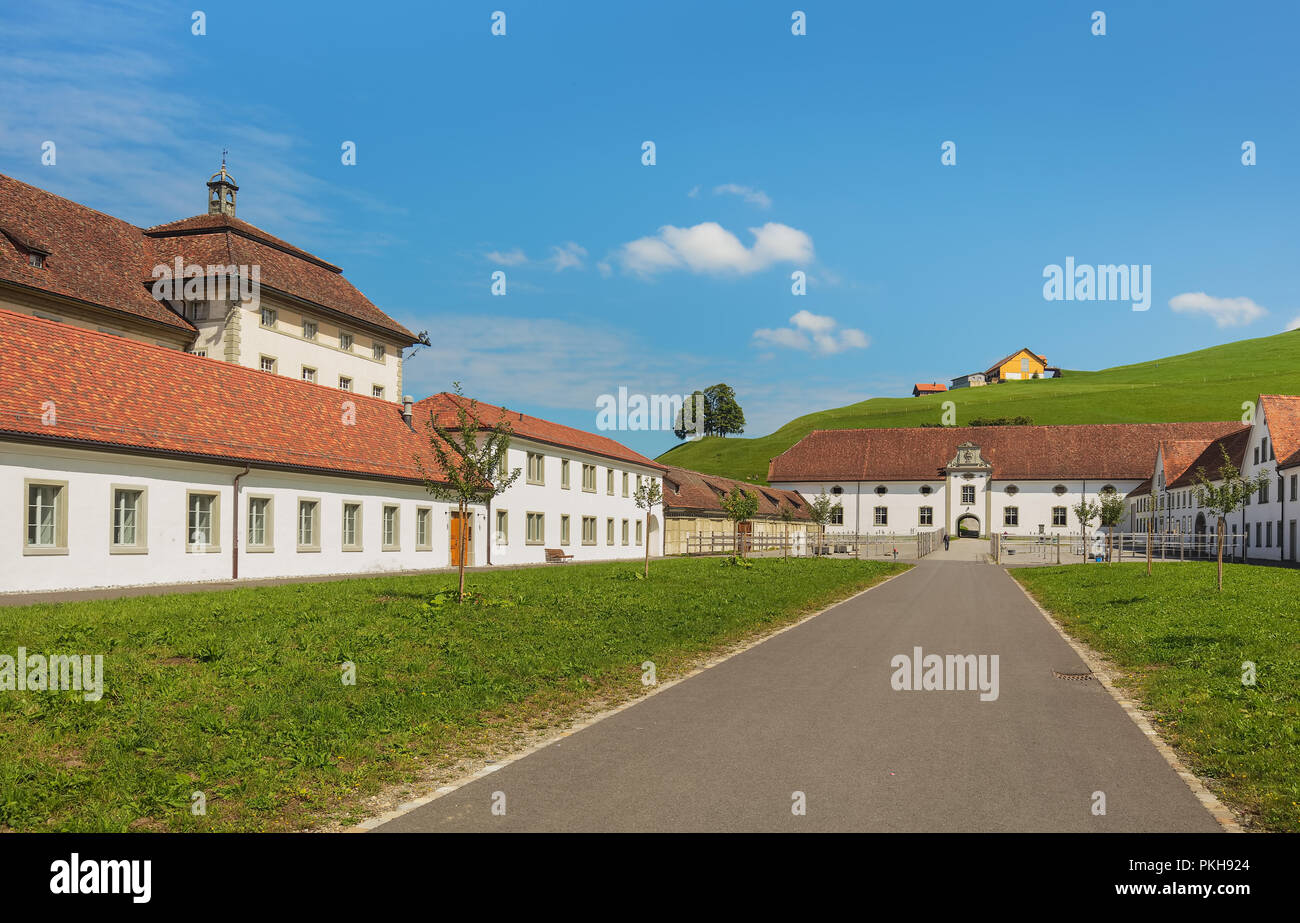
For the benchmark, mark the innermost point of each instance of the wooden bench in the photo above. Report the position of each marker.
(556, 556)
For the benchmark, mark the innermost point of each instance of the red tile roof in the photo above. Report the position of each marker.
(110, 392)
(225, 240)
(929, 388)
(688, 491)
(1282, 414)
(1177, 456)
(103, 260)
(1141, 490)
(93, 257)
(1109, 450)
(1210, 458)
(444, 408)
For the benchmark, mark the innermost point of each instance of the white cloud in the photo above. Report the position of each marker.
(515, 257)
(1295, 323)
(813, 333)
(694, 193)
(545, 362)
(748, 193)
(567, 256)
(570, 256)
(708, 247)
(126, 141)
(1226, 312)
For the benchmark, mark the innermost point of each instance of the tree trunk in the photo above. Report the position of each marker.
(1222, 523)
(462, 551)
(1110, 546)
(787, 539)
(647, 543)
(1149, 549)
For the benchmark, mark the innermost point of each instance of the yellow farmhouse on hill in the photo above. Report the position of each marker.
(1019, 365)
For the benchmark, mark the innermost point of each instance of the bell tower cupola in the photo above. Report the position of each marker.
(222, 191)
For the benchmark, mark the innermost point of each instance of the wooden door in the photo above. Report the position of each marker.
(455, 540)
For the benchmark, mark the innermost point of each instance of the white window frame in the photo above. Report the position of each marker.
(396, 543)
(424, 519)
(214, 523)
(537, 460)
(59, 502)
(141, 543)
(268, 525)
(358, 534)
(313, 540)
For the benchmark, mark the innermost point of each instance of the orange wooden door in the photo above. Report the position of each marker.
(455, 540)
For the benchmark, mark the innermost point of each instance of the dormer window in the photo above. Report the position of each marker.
(36, 260)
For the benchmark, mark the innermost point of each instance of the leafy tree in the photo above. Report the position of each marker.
(1086, 511)
(722, 414)
(1111, 512)
(1225, 499)
(740, 506)
(648, 496)
(472, 460)
(820, 510)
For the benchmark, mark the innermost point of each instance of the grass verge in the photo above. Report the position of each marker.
(238, 694)
(1182, 649)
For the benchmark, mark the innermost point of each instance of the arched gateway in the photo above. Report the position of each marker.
(968, 526)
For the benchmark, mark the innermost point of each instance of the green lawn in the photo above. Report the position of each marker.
(1181, 646)
(238, 693)
(1209, 384)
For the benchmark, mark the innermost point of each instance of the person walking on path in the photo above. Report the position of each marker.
(945, 539)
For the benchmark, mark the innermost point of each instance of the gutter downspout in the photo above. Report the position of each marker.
(234, 520)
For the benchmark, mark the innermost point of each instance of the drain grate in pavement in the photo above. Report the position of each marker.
(1075, 676)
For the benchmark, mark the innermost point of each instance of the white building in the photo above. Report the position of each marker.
(262, 433)
(1265, 528)
(124, 463)
(1019, 480)
(253, 299)
(575, 491)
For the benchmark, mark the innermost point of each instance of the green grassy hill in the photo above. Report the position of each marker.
(1210, 384)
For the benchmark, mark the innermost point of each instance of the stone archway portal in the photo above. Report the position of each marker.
(968, 526)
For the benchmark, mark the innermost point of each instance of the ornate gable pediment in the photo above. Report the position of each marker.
(968, 456)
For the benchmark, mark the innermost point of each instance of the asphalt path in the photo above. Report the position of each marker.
(813, 711)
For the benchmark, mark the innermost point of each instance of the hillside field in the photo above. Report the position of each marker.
(1210, 384)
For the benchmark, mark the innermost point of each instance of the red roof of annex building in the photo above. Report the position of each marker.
(686, 490)
(932, 388)
(104, 391)
(1100, 450)
(1282, 413)
(1210, 459)
(444, 405)
(98, 259)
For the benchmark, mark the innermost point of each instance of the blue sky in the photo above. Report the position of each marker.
(774, 153)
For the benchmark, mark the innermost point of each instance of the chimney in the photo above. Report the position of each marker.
(408, 409)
